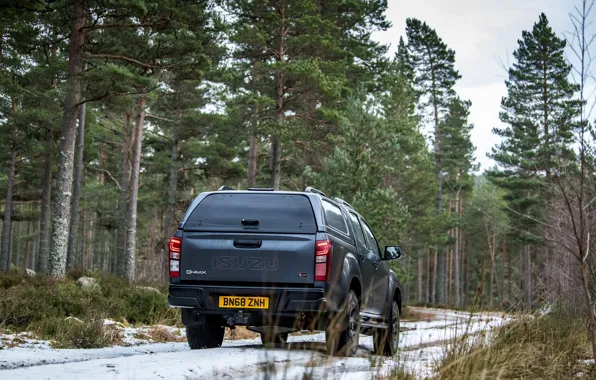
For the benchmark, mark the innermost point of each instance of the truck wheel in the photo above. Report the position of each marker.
(207, 335)
(386, 340)
(345, 342)
(273, 339)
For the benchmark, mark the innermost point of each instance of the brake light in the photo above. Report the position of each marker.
(323, 252)
(175, 249)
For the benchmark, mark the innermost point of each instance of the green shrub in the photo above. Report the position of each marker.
(30, 300)
(75, 333)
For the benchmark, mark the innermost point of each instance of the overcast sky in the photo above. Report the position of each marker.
(480, 32)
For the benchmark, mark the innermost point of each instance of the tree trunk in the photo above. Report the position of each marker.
(91, 245)
(35, 249)
(490, 285)
(154, 264)
(7, 224)
(46, 199)
(585, 276)
(252, 159)
(441, 278)
(17, 240)
(76, 193)
(276, 158)
(254, 147)
(80, 258)
(435, 277)
(106, 254)
(60, 223)
(528, 277)
(134, 190)
(172, 188)
(501, 283)
(172, 194)
(419, 276)
(429, 271)
(119, 252)
(279, 103)
(456, 253)
(115, 251)
(509, 278)
(466, 282)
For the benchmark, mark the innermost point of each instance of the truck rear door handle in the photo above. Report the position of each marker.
(376, 265)
(247, 243)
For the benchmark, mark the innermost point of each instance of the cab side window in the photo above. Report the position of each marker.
(334, 217)
(372, 242)
(361, 241)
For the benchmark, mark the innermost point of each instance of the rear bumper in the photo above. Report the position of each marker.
(281, 300)
(287, 304)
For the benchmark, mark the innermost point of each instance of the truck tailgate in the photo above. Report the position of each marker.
(250, 258)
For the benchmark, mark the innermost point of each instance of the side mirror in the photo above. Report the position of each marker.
(392, 252)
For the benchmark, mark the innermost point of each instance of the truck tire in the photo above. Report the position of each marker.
(345, 342)
(386, 341)
(207, 335)
(273, 339)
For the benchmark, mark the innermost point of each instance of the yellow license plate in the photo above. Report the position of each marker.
(235, 302)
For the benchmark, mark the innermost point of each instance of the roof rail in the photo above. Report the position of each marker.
(224, 188)
(311, 189)
(344, 202)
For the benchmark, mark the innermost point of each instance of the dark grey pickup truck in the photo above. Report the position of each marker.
(279, 261)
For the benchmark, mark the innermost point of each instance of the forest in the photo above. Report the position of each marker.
(115, 114)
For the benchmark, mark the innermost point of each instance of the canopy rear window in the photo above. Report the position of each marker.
(242, 212)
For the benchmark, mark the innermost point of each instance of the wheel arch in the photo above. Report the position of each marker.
(394, 292)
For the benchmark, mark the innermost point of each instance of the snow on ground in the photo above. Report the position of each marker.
(422, 344)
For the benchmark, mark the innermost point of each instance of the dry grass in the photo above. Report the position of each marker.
(7, 342)
(304, 332)
(240, 332)
(412, 315)
(141, 335)
(164, 334)
(114, 335)
(550, 347)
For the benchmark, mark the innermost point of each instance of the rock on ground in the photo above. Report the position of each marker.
(87, 282)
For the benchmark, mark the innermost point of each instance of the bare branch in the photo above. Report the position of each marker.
(105, 172)
(123, 58)
(162, 119)
(161, 22)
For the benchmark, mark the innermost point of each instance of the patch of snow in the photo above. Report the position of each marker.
(546, 309)
(422, 345)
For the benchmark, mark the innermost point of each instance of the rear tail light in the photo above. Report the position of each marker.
(323, 252)
(175, 249)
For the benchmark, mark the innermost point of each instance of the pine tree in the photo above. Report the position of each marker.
(416, 183)
(29, 103)
(456, 156)
(538, 111)
(61, 218)
(297, 57)
(435, 77)
(364, 169)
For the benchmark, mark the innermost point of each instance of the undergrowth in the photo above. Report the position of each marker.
(72, 315)
(548, 347)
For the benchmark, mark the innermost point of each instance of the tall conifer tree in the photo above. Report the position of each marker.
(538, 112)
(436, 75)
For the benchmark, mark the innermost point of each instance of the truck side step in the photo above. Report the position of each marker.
(373, 324)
